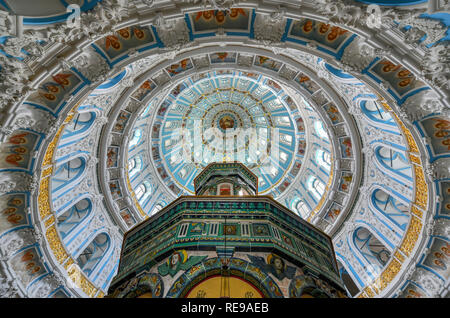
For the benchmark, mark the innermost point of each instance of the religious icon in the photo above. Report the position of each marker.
(178, 261)
(274, 265)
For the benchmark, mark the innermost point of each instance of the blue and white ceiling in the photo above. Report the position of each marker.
(363, 154)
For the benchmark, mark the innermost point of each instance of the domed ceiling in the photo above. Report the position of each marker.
(340, 108)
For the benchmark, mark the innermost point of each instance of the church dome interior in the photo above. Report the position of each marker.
(110, 110)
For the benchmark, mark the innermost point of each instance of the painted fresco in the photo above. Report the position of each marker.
(162, 172)
(114, 187)
(438, 129)
(296, 168)
(125, 39)
(211, 20)
(179, 67)
(250, 75)
(174, 188)
(176, 91)
(300, 124)
(346, 147)
(223, 57)
(17, 151)
(290, 102)
(274, 85)
(301, 147)
(54, 90)
(127, 217)
(179, 260)
(445, 205)
(309, 286)
(413, 291)
(401, 80)
(438, 259)
(273, 264)
(332, 37)
(333, 113)
(307, 83)
(146, 285)
(13, 215)
(224, 72)
(155, 130)
(345, 181)
(284, 185)
(333, 212)
(121, 121)
(267, 62)
(144, 90)
(112, 157)
(28, 264)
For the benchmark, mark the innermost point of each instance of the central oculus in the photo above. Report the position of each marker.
(225, 116)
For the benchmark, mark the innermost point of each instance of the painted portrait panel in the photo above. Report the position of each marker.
(438, 259)
(438, 129)
(28, 264)
(125, 39)
(413, 291)
(211, 20)
(112, 157)
(290, 102)
(17, 152)
(127, 217)
(54, 90)
(333, 113)
(250, 75)
(400, 79)
(223, 57)
(346, 147)
(121, 121)
(307, 83)
(12, 213)
(179, 67)
(144, 90)
(445, 205)
(267, 62)
(296, 168)
(302, 147)
(333, 212)
(331, 37)
(345, 181)
(114, 187)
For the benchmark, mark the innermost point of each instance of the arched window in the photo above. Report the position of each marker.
(376, 113)
(375, 253)
(301, 208)
(140, 191)
(137, 135)
(394, 161)
(320, 130)
(134, 166)
(147, 191)
(66, 174)
(395, 210)
(92, 255)
(157, 208)
(323, 159)
(68, 220)
(316, 186)
(80, 125)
